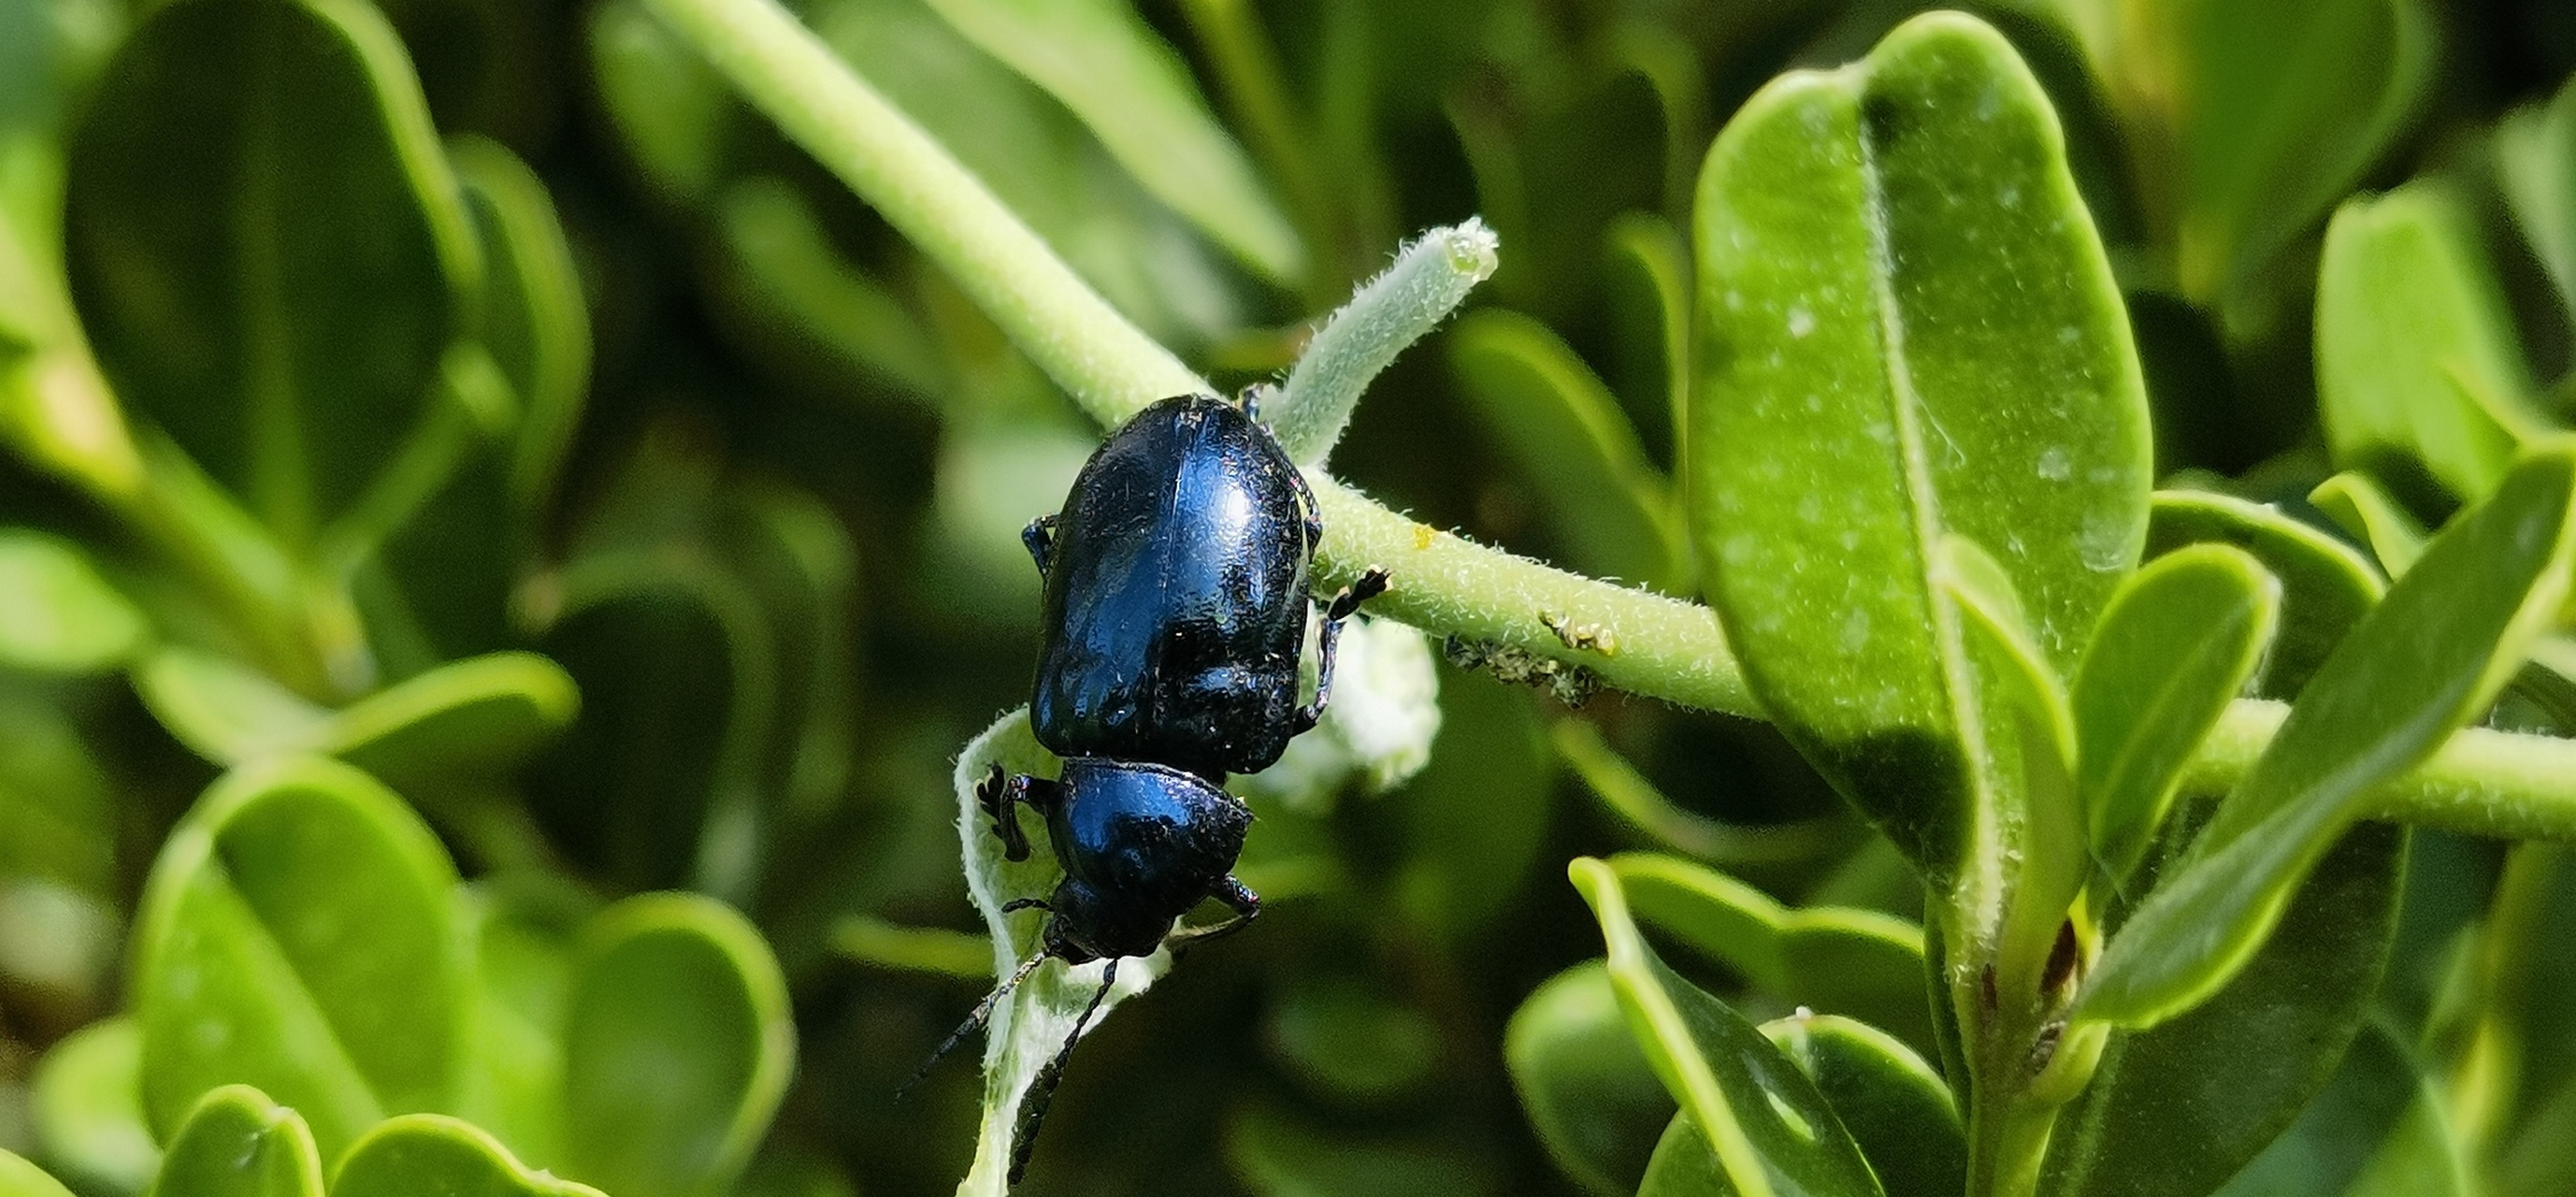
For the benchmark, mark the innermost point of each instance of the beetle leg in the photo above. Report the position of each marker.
(1249, 400)
(974, 1022)
(1328, 642)
(999, 791)
(1040, 537)
(1019, 904)
(1033, 1107)
(1246, 904)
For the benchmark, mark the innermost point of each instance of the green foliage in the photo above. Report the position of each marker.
(470, 469)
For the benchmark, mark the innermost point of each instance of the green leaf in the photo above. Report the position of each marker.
(677, 1047)
(533, 320)
(55, 409)
(2367, 1110)
(1348, 1039)
(1907, 329)
(1895, 1106)
(476, 718)
(1102, 61)
(788, 275)
(1768, 1129)
(1564, 431)
(57, 615)
(524, 927)
(1035, 1020)
(2373, 516)
(2173, 1111)
(1833, 959)
(2325, 586)
(1475, 822)
(934, 950)
(2181, 638)
(1587, 1087)
(431, 1155)
(295, 935)
(2418, 367)
(268, 248)
(238, 1143)
(793, 552)
(2535, 158)
(1684, 1165)
(57, 805)
(1651, 271)
(673, 112)
(1276, 1154)
(18, 1178)
(2278, 110)
(1634, 797)
(2426, 660)
(87, 1102)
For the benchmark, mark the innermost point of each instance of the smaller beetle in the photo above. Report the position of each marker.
(1175, 616)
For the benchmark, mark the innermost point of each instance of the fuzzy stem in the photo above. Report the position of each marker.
(1430, 278)
(2482, 782)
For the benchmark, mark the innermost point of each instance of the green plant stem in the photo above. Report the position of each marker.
(2482, 782)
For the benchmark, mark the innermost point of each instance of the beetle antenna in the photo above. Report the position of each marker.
(974, 1022)
(1033, 1108)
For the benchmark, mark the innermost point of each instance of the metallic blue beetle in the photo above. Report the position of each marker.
(1176, 610)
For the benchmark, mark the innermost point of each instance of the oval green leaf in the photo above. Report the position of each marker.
(18, 1178)
(2535, 155)
(1588, 1089)
(1834, 959)
(238, 1143)
(2326, 587)
(2357, 505)
(1907, 327)
(533, 320)
(1634, 797)
(295, 935)
(57, 615)
(267, 246)
(1895, 1106)
(2429, 658)
(2419, 370)
(677, 1047)
(432, 1155)
(1767, 1128)
(2180, 640)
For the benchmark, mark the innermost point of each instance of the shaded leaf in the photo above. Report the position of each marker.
(1895, 1106)
(1833, 959)
(1767, 1128)
(2426, 660)
(2326, 587)
(87, 1103)
(2172, 1111)
(2372, 1098)
(1634, 798)
(267, 246)
(2535, 159)
(1586, 1086)
(533, 320)
(479, 717)
(787, 273)
(677, 1047)
(1565, 432)
(2372, 516)
(674, 112)
(1278, 1155)
(57, 615)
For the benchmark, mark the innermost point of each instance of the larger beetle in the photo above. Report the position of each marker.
(1175, 617)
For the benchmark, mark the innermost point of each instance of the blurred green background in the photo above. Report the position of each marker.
(561, 348)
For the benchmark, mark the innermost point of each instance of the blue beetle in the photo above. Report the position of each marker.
(1174, 622)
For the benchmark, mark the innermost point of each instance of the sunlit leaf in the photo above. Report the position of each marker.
(2326, 587)
(238, 1143)
(430, 1155)
(57, 615)
(1895, 1106)
(1588, 1090)
(87, 1104)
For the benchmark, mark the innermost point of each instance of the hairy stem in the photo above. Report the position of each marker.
(2481, 782)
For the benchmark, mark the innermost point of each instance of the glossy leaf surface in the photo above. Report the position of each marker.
(1586, 1086)
(1767, 1128)
(295, 935)
(2418, 368)
(238, 1143)
(2178, 642)
(2427, 659)
(677, 1047)
(1907, 328)
(1896, 1107)
(430, 1155)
